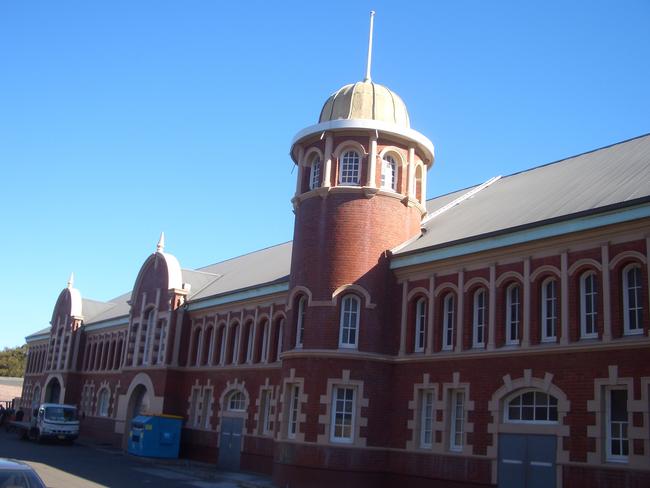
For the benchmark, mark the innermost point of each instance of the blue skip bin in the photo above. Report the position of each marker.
(155, 436)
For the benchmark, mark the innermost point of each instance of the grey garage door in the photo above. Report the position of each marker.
(230, 443)
(526, 461)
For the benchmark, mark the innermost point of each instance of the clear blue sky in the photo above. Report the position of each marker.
(119, 119)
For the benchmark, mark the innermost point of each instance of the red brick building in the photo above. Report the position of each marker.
(497, 335)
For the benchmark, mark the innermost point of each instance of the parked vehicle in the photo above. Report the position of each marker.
(50, 421)
(16, 474)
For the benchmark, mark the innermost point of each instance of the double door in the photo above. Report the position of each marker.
(527, 461)
(230, 443)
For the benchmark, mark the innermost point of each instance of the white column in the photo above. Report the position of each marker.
(607, 306)
(327, 156)
(372, 163)
(461, 311)
(492, 308)
(402, 336)
(525, 340)
(431, 314)
(564, 282)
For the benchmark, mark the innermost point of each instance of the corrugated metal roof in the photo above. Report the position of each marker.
(607, 176)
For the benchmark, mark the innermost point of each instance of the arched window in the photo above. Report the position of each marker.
(349, 327)
(148, 335)
(632, 301)
(36, 396)
(448, 322)
(249, 342)
(513, 313)
(208, 346)
(350, 168)
(531, 407)
(300, 320)
(314, 176)
(222, 345)
(196, 344)
(278, 341)
(236, 402)
(588, 305)
(264, 354)
(162, 325)
(478, 336)
(418, 183)
(420, 324)
(234, 343)
(102, 402)
(549, 310)
(389, 173)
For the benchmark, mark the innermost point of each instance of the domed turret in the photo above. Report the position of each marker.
(365, 100)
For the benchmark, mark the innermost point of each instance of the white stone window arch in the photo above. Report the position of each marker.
(420, 324)
(389, 172)
(350, 168)
(103, 401)
(236, 402)
(549, 310)
(448, 318)
(531, 406)
(349, 324)
(513, 313)
(632, 299)
(315, 166)
(479, 318)
(588, 305)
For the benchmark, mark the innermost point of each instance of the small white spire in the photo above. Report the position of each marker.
(369, 63)
(161, 243)
(71, 280)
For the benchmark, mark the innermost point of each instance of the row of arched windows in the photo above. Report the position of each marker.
(233, 344)
(349, 172)
(104, 353)
(36, 360)
(349, 320)
(585, 316)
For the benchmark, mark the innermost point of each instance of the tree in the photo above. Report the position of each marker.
(12, 361)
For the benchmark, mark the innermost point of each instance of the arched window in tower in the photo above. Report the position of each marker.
(549, 310)
(448, 313)
(632, 300)
(349, 330)
(513, 313)
(588, 305)
(300, 320)
(389, 173)
(418, 183)
(350, 168)
(480, 306)
(314, 176)
(420, 324)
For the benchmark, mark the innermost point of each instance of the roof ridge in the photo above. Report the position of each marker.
(245, 254)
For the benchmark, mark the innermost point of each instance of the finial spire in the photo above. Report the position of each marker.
(71, 280)
(161, 243)
(372, 21)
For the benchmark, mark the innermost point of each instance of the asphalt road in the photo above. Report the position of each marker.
(64, 466)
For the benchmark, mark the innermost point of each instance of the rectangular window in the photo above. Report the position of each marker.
(426, 418)
(448, 323)
(456, 431)
(549, 311)
(205, 405)
(349, 321)
(617, 423)
(513, 318)
(479, 319)
(265, 339)
(265, 412)
(420, 324)
(249, 344)
(162, 343)
(588, 315)
(632, 302)
(294, 408)
(342, 424)
(194, 407)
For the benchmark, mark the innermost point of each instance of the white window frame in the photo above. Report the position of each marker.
(265, 412)
(314, 172)
(294, 411)
(448, 318)
(195, 398)
(478, 320)
(352, 413)
(427, 401)
(520, 393)
(513, 313)
(638, 298)
(239, 406)
(264, 354)
(420, 324)
(235, 343)
(389, 173)
(300, 322)
(103, 402)
(350, 168)
(456, 423)
(588, 299)
(546, 318)
(349, 322)
(206, 398)
(249, 342)
(222, 348)
(616, 458)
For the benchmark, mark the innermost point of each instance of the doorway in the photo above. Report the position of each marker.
(53, 391)
(230, 443)
(527, 461)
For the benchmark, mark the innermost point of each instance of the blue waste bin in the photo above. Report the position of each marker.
(155, 436)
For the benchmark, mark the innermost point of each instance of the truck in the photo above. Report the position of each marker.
(50, 421)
